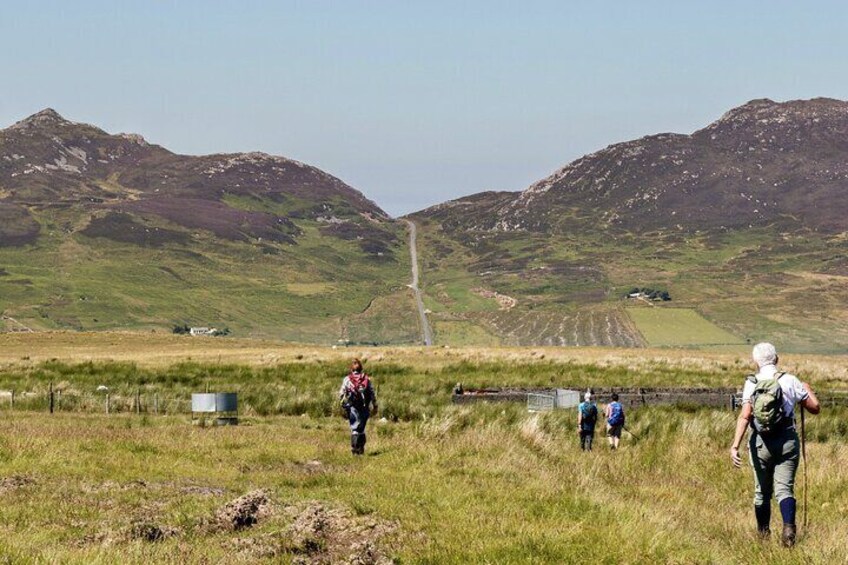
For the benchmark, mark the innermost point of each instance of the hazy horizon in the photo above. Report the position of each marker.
(413, 105)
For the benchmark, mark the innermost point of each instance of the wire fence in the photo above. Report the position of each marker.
(265, 399)
(58, 400)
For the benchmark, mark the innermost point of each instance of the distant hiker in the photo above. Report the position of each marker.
(614, 413)
(587, 416)
(768, 408)
(357, 399)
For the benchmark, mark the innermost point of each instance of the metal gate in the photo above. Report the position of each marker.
(540, 402)
(547, 401)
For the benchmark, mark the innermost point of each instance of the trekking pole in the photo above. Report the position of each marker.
(804, 459)
(631, 433)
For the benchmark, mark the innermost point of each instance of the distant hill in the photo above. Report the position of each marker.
(762, 164)
(103, 231)
(745, 222)
(741, 225)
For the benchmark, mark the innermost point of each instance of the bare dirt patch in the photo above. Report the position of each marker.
(15, 482)
(318, 534)
(150, 531)
(244, 511)
(505, 302)
(321, 534)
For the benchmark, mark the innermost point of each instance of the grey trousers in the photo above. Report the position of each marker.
(775, 462)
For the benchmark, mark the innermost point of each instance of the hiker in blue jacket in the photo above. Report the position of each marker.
(614, 413)
(587, 416)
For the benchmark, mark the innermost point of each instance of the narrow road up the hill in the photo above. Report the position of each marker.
(413, 251)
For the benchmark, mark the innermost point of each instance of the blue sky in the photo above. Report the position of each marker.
(413, 103)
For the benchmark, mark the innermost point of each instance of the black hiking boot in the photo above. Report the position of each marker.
(788, 537)
(354, 443)
(362, 440)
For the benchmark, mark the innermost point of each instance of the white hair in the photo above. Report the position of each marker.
(764, 354)
(587, 397)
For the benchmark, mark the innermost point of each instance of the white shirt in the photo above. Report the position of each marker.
(793, 391)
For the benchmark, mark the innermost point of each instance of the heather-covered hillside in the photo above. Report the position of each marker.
(102, 231)
(743, 223)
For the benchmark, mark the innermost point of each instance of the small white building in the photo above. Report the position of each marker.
(202, 331)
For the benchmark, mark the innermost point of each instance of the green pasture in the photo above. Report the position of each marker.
(678, 327)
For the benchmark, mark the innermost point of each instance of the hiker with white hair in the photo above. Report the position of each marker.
(768, 408)
(587, 415)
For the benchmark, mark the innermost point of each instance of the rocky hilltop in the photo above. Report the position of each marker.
(46, 160)
(760, 164)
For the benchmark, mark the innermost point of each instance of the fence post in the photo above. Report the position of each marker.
(108, 403)
(50, 399)
(156, 403)
(59, 399)
(137, 401)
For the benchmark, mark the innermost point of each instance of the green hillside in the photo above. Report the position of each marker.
(72, 281)
(103, 231)
(570, 289)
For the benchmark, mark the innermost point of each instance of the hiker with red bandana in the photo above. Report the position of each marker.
(358, 402)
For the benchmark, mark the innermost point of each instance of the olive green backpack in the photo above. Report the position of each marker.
(767, 404)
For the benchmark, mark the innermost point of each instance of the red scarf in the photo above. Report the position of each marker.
(358, 381)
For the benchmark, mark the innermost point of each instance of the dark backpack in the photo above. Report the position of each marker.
(616, 417)
(767, 405)
(589, 413)
(358, 396)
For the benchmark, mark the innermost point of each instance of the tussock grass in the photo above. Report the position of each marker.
(493, 484)
(459, 484)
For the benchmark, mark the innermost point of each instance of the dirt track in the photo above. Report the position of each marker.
(427, 334)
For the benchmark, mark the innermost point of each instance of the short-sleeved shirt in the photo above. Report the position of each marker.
(587, 426)
(793, 391)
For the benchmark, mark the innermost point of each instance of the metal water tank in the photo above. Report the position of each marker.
(221, 407)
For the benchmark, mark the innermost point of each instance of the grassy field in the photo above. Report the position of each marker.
(471, 485)
(678, 327)
(440, 483)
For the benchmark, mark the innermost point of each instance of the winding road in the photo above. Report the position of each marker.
(427, 334)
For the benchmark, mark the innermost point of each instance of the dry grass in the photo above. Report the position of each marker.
(488, 484)
(160, 350)
(441, 484)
